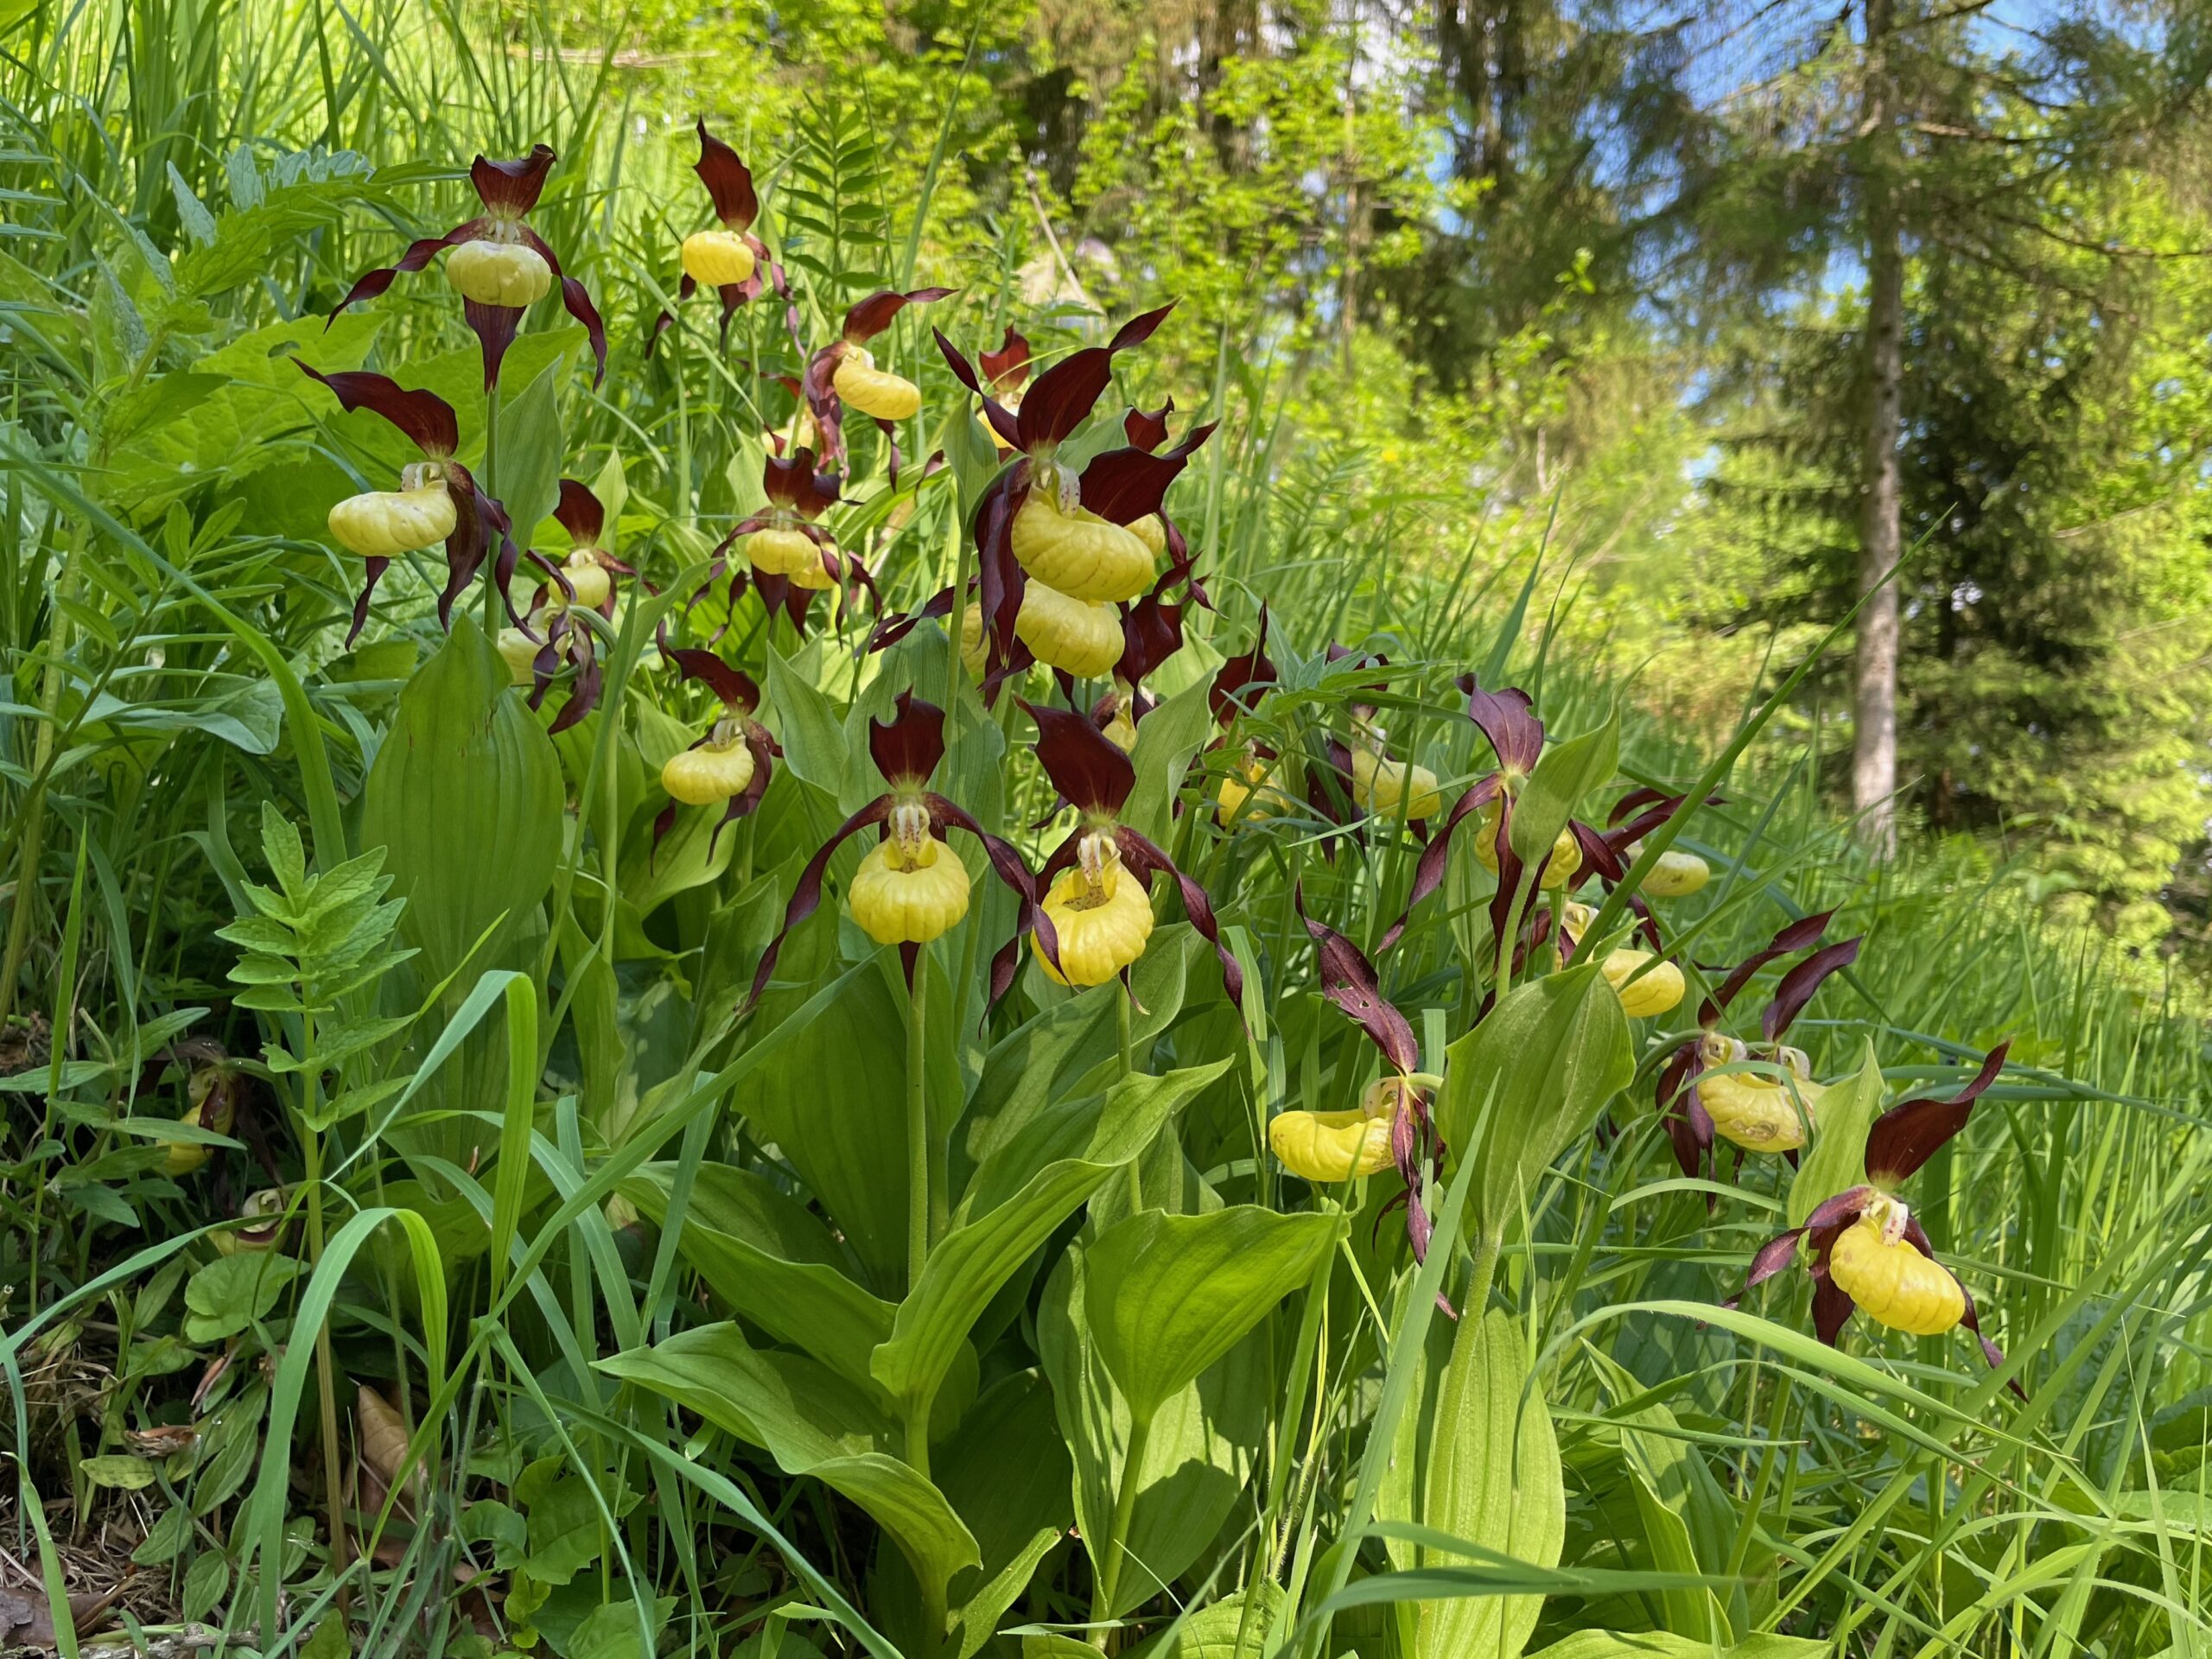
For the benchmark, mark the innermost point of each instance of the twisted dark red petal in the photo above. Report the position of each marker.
(871, 317)
(1435, 855)
(423, 418)
(1061, 399)
(1141, 855)
(1798, 936)
(1348, 980)
(806, 897)
(1909, 1133)
(1800, 982)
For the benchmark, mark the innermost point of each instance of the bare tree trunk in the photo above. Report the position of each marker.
(1874, 757)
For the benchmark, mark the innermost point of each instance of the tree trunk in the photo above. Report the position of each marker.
(1874, 757)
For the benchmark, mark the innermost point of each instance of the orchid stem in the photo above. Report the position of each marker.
(1121, 1002)
(491, 594)
(1118, 1540)
(917, 1123)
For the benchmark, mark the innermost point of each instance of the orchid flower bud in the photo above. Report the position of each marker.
(717, 771)
(1078, 552)
(1642, 994)
(1079, 639)
(875, 392)
(264, 1210)
(717, 258)
(911, 887)
(1878, 1268)
(511, 274)
(1759, 1114)
(385, 523)
(1100, 914)
(1560, 869)
(1388, 788)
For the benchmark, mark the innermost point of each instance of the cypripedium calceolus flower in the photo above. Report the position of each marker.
(1766, 1101)
(437, 500)
(911, 887)
(1647, 983)
(1866, 1249)
(498, 265)
(1006, 373)
(211, 1089)
(1056, 549)
(728, 259)
(1151, 632)
(1096, 916)
(729, 765)
(788, 556)
(553, 636)
(264, 1214)
(843, 375)
(1391, 1126)
(1250, 788)
(1673, 875)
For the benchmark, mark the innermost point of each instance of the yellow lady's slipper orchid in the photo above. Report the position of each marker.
(1083, 555)
(1652, 992)
(1894, 1284)
(709, 775)
(520, 651)
(185, 1156)
(1560, 870)
(511, 274)
(1079, 638)
(1246, 794)
(1676, 875)
(783, 552)
(588, 577)
(385, 523)
(1328, 1147)
(1379, 786)
(903, 897)
(1121, 728)
(873, 392)
(1101, 922)
(717, 258)
(1759, 1114)
(975, 655)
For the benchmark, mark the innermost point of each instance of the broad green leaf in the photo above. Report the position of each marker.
(1014, 1204)
(1545, 1061)
(1211, 1633)
(1167, 738)
(1566, 772)
(801, 717)
(122, 1472)
(771, 1260)
(232, 1292)
(531, 450)
(1168, 1295)
(812, 1422)
(1837, 1161)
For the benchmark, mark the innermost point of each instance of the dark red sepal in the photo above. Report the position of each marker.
(1508, 719)
(1909, 1133)
(426, 419)
(372, 573)
(1151, 632)
(729, 182)
(732, 685)
(1832, 1307)
(1348, 980)
(796, 485)
(1007, 367)
(511, 188)
(1798, 936)
(1800, 982)
(1127, 484)
(1148, 430)
(370, 284)
(1061, 399)
(907, 748)
(1435, 855)
(1083, 763)
(1238, 681)
(871, 317)
(580, 514)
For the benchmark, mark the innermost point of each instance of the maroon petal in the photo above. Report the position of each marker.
(1148, 430)
(1798, 936)
(1508, 870)
(871, 317)
(1800, 982)
(1237, 682)
(494, 328)
(1435, 855)
(583, 697)
(1084, 765)
(1125, 485)
(1909, 1133)
(806, 897)
(511, 188)
(1151, 632)
(907, 748)
(796, 484)
(1598, 857)
(1772, 1257)
(1008, 366)
(424, 417)
(372, 283)
(580, 514)
(1348, 980)
(733, 686)
(1832, 1306)
(1831, 1216)
(579, 306)
(1142, 856)
(373, 571)
(1508, 719)
(1062, 398)
(1636, 797)
(729, 182)
(1003, 421)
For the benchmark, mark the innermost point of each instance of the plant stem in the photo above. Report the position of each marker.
(1129, 1066)
(1117, 1540)
(493, 597)
(918, 1125)
(325, 1372)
